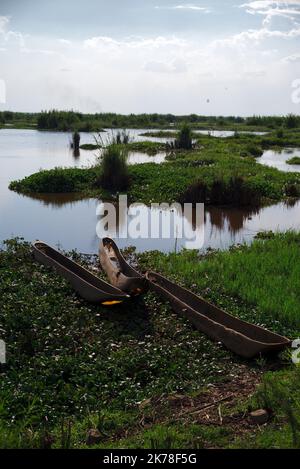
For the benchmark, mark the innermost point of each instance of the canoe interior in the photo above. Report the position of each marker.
(216, 322)
(87, 284)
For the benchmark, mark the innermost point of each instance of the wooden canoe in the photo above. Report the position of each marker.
(241, 337)
(119, 272)
(87, 285)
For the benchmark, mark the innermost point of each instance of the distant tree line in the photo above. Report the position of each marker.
(8, 117)
(72, 120)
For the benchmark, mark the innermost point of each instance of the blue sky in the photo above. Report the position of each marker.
(208, 57)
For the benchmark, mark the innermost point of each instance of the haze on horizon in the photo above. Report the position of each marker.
(229, 57)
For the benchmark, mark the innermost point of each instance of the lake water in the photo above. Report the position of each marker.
(70, 222)
(278, 159)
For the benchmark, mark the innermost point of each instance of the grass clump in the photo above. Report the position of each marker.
(56, 180)
(150, 148)
(254, 150)
(90, 146)
(75, 143)
(294, 160)
(184, 138)
(114, 168)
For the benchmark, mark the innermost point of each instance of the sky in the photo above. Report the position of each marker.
(229, 57)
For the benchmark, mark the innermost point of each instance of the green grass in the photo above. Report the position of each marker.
(85, 367)
(150, 148)
(221, 171)
(57, 180)
(113, 168)
(67, 359)
(294, 160)
(279, 393)
(265, 275)
(90, 146)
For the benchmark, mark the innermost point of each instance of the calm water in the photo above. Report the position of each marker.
(70, 222)
(278, 159)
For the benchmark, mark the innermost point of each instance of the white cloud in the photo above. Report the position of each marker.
(143, 74)
(4, 20)
(7, 36)
(65, 42)
(100, 42)
(271, 9)
(246, 38)
(292, 58)
(189, 6)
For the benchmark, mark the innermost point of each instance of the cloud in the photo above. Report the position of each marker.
(256, 36)
(65, 42)
(4, 20)
(189, 6)
(271, 9)
(7, 36)
(100, 42)
(292, 58)
(144, 73)
(175, 66)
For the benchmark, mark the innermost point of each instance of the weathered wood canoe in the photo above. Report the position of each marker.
(241, 337)
(87, 285)
(119, 272)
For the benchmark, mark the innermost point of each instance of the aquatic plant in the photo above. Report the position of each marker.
(294, 160)
(184, 139)
(113, 167)
(121, 138)
(292, 121)
(75, 143)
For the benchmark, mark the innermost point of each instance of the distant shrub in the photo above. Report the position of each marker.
(294, 160)
(254, 150)
(292, 190)
(75, 144)
(279, 133)
(114, 168)
(184, 139)
(291, 121)
(121, 138)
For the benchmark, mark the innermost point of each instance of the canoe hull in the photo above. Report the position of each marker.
(241, 337)
(88, 286)
(118, 271)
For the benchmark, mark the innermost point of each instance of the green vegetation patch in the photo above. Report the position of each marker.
(264, 276)
(294, 160)
(67, 359)
(219, 171)
(90, 146)
(72, 367)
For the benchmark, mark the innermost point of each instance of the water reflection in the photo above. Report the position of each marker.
(231, 219)
(76, 153)
(173, 224)
(56, 200)
(70, 220)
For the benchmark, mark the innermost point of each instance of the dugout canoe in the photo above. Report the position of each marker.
(120, 274)
(88, 286)
(241, 337)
